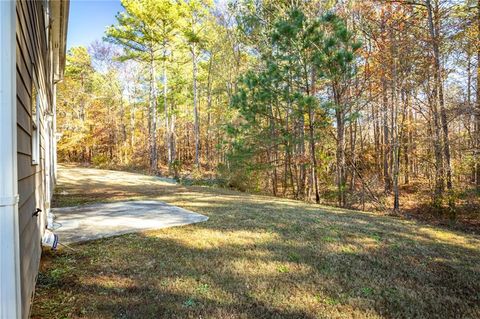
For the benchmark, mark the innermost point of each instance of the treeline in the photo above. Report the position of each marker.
(359, 103)
(155, 92)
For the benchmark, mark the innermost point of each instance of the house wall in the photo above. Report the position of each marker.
(33, 65)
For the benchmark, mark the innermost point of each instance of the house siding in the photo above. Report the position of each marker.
(32, 58)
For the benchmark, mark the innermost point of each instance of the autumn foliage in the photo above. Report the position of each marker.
(362, 104)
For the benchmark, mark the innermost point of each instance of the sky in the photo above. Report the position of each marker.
(88, 20)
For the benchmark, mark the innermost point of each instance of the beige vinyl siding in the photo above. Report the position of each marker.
(32, 58)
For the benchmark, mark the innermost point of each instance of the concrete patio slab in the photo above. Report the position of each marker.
(83, 223)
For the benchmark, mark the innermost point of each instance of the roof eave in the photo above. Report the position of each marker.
(59, 15)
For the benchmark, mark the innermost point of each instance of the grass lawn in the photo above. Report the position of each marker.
(256, 257)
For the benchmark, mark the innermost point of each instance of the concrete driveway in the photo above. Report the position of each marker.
(82, 223)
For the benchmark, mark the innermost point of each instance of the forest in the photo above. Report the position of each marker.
(363, 104)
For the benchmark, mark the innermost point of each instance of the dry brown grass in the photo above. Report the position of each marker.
(256, 257)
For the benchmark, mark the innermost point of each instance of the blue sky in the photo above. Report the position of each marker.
(88, 19)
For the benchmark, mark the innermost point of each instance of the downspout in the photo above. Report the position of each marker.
(10, 293)
(53, 169)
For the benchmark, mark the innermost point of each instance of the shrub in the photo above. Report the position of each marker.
(100, 160)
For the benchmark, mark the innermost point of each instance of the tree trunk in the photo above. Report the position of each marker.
(301, 155)
(195, 109)
(153, 115)
(353, 145)
(132, 122)
(272, 157)
(386, 141)
(168, 144)
(477, 117)
(311, 121)
(434, 30)
(209, 106)
(398, 137)
(340, 152)
(376, 136)
(408, 140)
(434, 33)
(173, 143)
(288, 155)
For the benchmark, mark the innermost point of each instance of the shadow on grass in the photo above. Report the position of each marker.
(336, 270)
